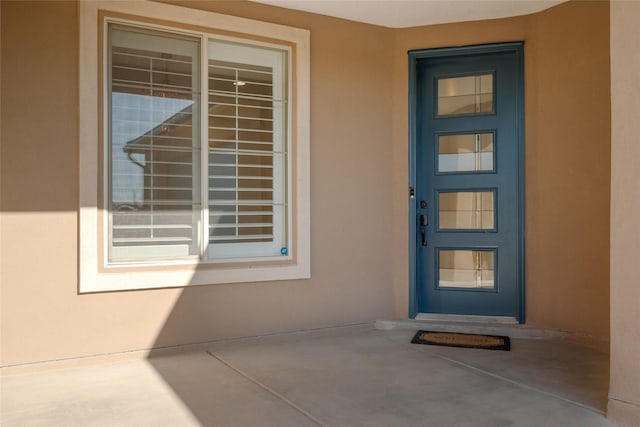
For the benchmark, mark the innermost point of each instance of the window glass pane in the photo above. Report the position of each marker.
(466, 269)
(465, 95)
(247, 150)
(466, 210)
(465, 152)
(153, 145)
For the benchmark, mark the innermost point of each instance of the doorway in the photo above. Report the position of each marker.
(466, 177)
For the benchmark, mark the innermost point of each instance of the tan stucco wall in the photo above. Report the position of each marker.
(624, 393)
(358, 179)
(567, 183)
(43, 317)
(566, 154)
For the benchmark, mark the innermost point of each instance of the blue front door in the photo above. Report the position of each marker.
(467, 114)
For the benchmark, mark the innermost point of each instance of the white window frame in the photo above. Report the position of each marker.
(95, 273)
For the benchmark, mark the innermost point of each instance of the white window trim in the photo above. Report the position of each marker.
(95, 275)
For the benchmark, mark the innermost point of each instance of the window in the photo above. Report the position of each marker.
(162, 203)
(153, 138)
(204, 178)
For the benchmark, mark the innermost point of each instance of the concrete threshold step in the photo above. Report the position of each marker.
(487, 328)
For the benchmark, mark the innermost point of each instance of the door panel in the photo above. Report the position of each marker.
(465, 152)
(468, 183)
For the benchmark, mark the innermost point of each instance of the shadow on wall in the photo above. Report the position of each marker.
(344, 290)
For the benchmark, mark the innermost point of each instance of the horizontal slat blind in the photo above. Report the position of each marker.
(247, 156)
(240, 153)
(154, 145)
(166, 153)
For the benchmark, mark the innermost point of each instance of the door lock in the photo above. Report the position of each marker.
(423, 229)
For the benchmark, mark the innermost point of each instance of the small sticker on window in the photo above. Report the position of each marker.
(284, 251)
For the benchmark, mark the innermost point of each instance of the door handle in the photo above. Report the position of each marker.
(423, 229)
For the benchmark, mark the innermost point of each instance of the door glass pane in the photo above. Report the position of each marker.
(466, 269)
(469, 152)
(466, 210)
(465, 95)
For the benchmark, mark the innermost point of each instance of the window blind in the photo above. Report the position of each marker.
(247, 159)
(185, 182)
(154, 196)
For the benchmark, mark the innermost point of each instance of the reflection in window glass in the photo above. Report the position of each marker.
(466, 269)
(465, 95)
(465, 152)
(154, 145)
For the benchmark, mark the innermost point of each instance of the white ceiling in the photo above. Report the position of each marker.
(413, 13)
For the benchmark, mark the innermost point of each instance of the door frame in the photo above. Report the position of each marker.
(414, 56)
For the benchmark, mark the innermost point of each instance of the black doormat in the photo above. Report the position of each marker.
(454, 339)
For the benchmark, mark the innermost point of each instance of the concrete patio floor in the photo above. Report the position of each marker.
(352, 376)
